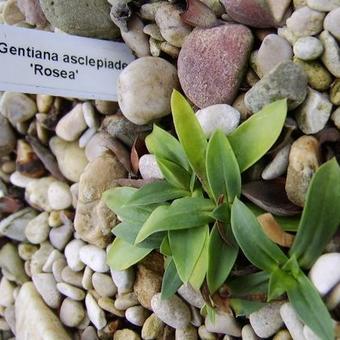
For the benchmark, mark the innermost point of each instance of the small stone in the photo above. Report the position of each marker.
(153, 31)
(44, 101)
(54, 219)
(336, 118)
(331, 23)
(173, 29)
(224, 323)
(136, 315)
(188, 333)
(26, 250)
(303, 162)
(173, 311)
(10, 318)
(20, 180)
(325, 273)
(189, 294)
(71, 158)
(103, 285)
(123, 280)
(284, 32)
(96, 146)
(90, 115)
(333, 298)
(196, 318)
(59, 196)
(125, 334)
(148, 10)
(212, 62)
(95, 313)
(292, 321)
(278, 166)
(7, 137)
(248, 333)
(6, 292)
(331, 54)
(106, 107)
(17, 107)
(323, 5)
(267, 320)
(94, 257)
(205, 335)
(71, 277)
(149, 168)
(57, 269)
(286, 80)
(219, 116)
(11, 15)
(135, 38)
(273, 50)
(71, 313)
(33, 14)
(283, 335)
(169, 49)
(314, 113)
(72, 255)
(308, 48)
(144, 89)
(153, 328)
(305, 22)
(54, 256)
(124, 301)
(309, 334)
(70, 291)
(40, 257)
(335, 92)
(37, 229)
(60, 236)
(109, 305)
(4, 326)
(47, 288)
(155, 47)
(87, 278)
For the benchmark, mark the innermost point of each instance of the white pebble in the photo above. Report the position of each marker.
(103, 285)
(47, 288)
(331, 23)
(57, 269)
(308, 48)
(59, 196)
(123, 279)
(223, 323)
(149, 168)
(278, 166)
(323, 5)
(71, 313)
(54, 256)
(86, 137)
(70, 291)
(95, 313)
(136, 315)
(331, 55)
(94, 257)
(72, 255)
(60, 236)
(37, 229)
(87, 278)
(292, 321)
(90, 115)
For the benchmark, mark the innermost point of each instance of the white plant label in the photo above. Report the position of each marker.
(33, 61)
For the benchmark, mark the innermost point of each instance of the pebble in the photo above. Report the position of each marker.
(267, 320)
(196, 318)
(308, 48)
(314, 113)
(11, 14)
(248, 333)
(37, 229)
(336, 117)
(89, 334)
(94, 257)
(153, 31)
(136, 315)
(87, 278)
(6, 292)
(335, 92)
(95, 146)
(273, 51)
(125, 301)
(219, 116)
(90, 115)
(204, 334)
(309, 334)
(152, 328)
(40, 257)
(95, 313)
(331, 23)
(54, 219)
(172, 28)
(109, 305)
(188, 333)
(292, 321)
(71, 277)
(282, 335)
(148, 10)
(71, 126)
(148, 167)
(303, 162)
(54, 256)
(44, 102)
(71, 313)
(57, 269)
(72, 255)
(333, 299)
(211, 63)
(60, 236)
(278, 166)
(155, 47)
(59, 196)
(10, 318)
(325, 273)
(126, 334)
(305, 22)
(103, 285)
(47, 288)
(7, 137)
(144, 89)
(123, 280)
(20, 180)
(286, 80)
(192, 296)
(331, 55)
(26, 250)
(106, 107)
(323, 5)
(17, 107)
(224, 323)
(71, 291)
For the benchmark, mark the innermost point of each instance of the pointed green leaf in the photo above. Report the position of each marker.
(163, 145)
(222, 258)
(277, 283)
(186, 246)
(310, 308)
(321, 214)
(257, 247)
(165, 246)
(245, 307)
(252, 139)
(190, 134)
(171, 281)
(222, 168)
(222, 213)
(183, 213)
(123, 255)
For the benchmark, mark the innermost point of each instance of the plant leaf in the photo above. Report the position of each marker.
(171, 281)
(321, 214)
(310, 308)
(222, 168)
(122, 255)
(244, 307)
(252, 139)
(277, 283)
(174, 174)
(157, 192)
(190, 135)
(259, 250)
(163, 145)
(165, 247)
(222, 258)
(183, 213)
(186, 246)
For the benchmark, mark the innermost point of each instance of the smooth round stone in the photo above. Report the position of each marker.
(70, 291)
(7, 137)
(6, 292)
(192, 296)
(308, 48)
(144, 89)
(103, 285)
(37, 192)
(149, 168)
(325, 273)
(336, 117)
(71, 313)
(335, 92)
(123, 279)
(47, 288)
(331, 23)
(331, 55)
(136, 315)
(248, 333)
(60, 236)
(223, 323)
(125, 334)
(109, 305)
(94, 257)
(20, 180)
(211, 63)
(323, 5)
(89, 115)
(204, 334)
(152, 328)
(72, 255)
(54, 256)
(71, 277)
(278, 166)
(95, 313)
(87, 278)
(26, 251)
(57, 269)
(173, 311)
(291, 321)
(188, 333)
(40, 257)
(124, 301)
(59, 196)
(219, 116)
